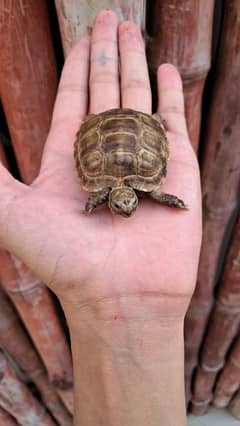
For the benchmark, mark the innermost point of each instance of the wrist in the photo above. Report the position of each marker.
(128, 363)
(167, 311)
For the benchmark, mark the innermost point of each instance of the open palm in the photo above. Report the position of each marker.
(102, 256)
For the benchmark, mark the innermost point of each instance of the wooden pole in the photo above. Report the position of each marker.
(229, 380)
(76, 17)
(2, 155)
(181, 33)
(67, 397)
(6, 419)
(52, 399)
(15, 341)
(36, 309)
(28, 79)
(234, 406)
(220, 178)
(16, 398)
(202, 395)
(223, 325)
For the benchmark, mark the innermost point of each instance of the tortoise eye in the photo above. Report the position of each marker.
(117, 205)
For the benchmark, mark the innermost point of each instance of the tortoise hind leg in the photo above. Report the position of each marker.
(168, 199)
(96, 199)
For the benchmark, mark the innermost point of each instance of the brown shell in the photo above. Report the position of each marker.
(121, 146)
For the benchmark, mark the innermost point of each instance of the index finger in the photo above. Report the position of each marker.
(71, 102)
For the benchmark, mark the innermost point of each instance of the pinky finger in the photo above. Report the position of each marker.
(171, 100)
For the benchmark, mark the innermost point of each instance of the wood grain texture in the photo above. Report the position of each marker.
(6, 419)
(234, 405)
(220, 178)
(229, 380)
(16, 398)
(67, 398)
(15, 341)
(223, 326)
(28, 79)
(35, 307)
(181, 33)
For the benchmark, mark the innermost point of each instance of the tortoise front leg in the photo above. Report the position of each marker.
(96, 199)
(168, 199)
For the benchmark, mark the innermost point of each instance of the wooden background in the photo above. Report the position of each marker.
(201, 38)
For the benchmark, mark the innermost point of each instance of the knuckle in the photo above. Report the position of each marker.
(174, 110)
(136, 84)
(107, 77)
(74, 59)
(104, 42)
(129, 28)
(68, 88)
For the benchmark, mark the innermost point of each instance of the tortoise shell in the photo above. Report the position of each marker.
(121, 147)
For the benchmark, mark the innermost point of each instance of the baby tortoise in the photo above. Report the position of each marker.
(120, 154)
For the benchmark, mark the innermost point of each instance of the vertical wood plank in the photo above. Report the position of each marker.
(234, 406)
(229, 380)
(6, 419)
(28, 79)
(220, 178)
(16, 342)
(223, 327)
(181, 33)
(34, 305)
(16, 398)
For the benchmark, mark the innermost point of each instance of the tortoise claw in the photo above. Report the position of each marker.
(87, 212)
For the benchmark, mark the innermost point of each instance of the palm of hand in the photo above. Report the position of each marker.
(103, 256)
(146, 253)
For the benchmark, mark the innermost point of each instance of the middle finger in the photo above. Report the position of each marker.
(104, 78)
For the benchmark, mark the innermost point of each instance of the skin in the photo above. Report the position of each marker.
(124, 285)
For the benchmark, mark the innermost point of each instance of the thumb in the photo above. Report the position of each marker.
(10, 190)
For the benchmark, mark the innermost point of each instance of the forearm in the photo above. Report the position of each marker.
(128, 365)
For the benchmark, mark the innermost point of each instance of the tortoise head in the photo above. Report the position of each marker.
(123, 201)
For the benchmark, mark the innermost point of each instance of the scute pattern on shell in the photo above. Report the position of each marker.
(121, 146)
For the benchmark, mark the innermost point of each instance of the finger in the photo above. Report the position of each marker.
(8, 185)
(10, 189)
(135, 85)
(71, 102)
(171, 100)
(183, 172)
(104, 78)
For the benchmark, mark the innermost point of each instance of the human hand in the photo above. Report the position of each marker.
(103, 257)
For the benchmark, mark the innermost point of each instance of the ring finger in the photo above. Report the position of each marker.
(135, 84)
(104, 77)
